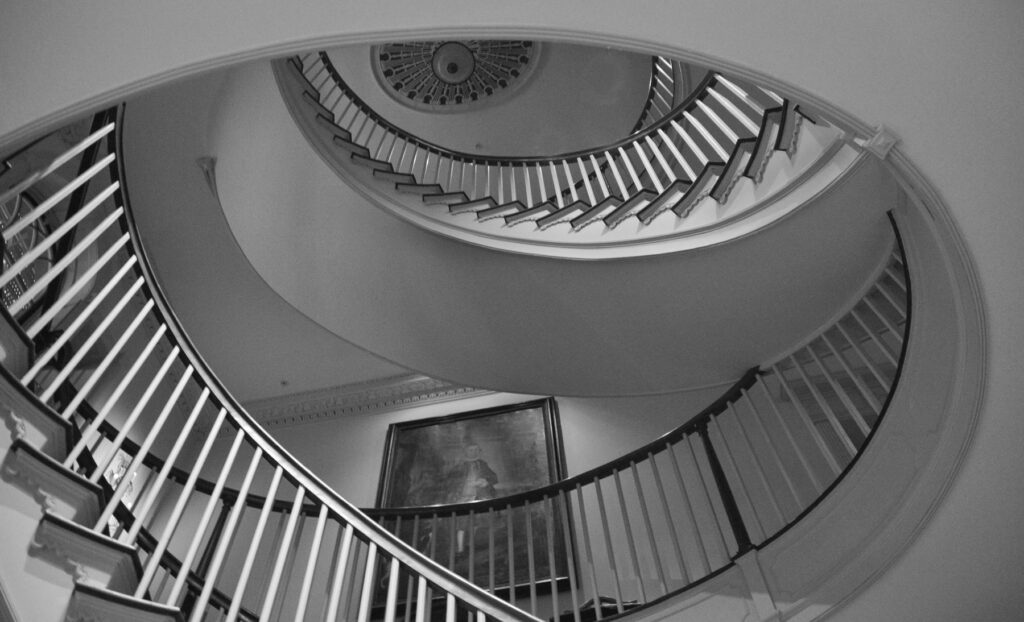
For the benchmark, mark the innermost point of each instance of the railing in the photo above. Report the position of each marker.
(106, 336)
(667, 88)
(722, 131)
(668, 515)
(648, 525)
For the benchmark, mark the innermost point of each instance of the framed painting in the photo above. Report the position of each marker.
(471, 457)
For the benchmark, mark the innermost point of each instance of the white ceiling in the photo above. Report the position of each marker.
(449, 310)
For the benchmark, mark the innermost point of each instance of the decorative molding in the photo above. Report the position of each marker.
(87, 556)
(208, 165)
(880, 143)
(388, 394)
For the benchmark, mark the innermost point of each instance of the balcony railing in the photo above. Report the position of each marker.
(681, 153)
(116, 369)
(107, 332)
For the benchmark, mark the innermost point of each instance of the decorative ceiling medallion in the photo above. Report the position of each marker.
(447, 75)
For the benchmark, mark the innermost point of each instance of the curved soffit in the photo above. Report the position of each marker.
(527, 324)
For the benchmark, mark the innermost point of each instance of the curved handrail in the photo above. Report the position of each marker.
(115, 239)
(722, 130)
(737, 482)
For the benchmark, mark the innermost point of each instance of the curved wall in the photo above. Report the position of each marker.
(942, 77)
(527, 324)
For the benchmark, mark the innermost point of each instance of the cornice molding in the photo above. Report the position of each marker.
(387, 394)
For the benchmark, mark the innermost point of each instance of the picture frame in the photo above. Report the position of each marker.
(464, 458)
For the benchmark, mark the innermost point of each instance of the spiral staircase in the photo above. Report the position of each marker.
(97, 370)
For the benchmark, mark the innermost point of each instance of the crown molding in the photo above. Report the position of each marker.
(387, 394)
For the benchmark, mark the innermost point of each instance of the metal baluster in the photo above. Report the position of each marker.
(270, 595)
(789, 436)
(569, 561)
(58, 162)
(644, 513)
(732, 511)
(79, 320)
(16, 227)
(367, 591)
(529, 185)
(634, 559)
(470, 532)
(756, 415)
(690, 143)
(833, 420)
(490, 550)
(886, 322)
(547, 509)
(314, 555)
(569, 181)
(226, 537)
(889, 354)
(543, 191)
(608, 545)
(254, 544)
(165, 537)
(650, 169)
(392, 595)
(632, 173)
(291, 556)
(805, 418)
(868, 362)
(761, 471)
(340, 564)
(862, 388)
(83, 349)
(147, 443)
(80, 283)
(88, 433)
(409, 581)
(33, 253)
(600, 177)
(588, 550)
(690, 174)
(511, 556)
(707, 498)
(722, 154)
(721, 124)
(748, 123)
(610, 161)
(558, 186)
(668, 514)
(840, 392)
(129, 423)
(669, 173)
(528, 510)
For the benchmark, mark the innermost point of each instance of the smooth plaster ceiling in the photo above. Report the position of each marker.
(520, 323)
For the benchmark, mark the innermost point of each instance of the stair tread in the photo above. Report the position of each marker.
(445, 198)
(89, 601)
(82, 551)
(372, 163)
(55, 481)
(19, 407)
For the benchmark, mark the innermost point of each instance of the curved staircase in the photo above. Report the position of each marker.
(136, 488)
(722, 132)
